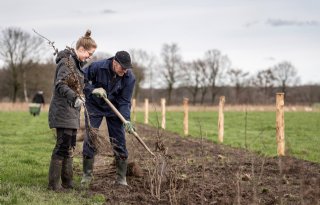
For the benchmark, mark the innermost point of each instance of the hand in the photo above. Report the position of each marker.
(99, 92)
(129, 127)
(78, 102)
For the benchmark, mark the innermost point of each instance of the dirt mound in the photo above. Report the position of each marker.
(200, 172)
(134, 170)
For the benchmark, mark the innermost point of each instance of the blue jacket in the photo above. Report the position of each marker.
(119, 90)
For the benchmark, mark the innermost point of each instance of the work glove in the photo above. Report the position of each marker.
(99, 92)
(78, 102)
(129, 127)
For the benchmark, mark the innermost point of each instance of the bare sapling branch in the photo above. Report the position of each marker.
(51, 43)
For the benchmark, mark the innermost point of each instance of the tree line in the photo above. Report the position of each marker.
(201, 80)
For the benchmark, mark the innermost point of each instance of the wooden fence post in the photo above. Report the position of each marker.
(134, 117)
(221, 119)
(280, 123)
(163, 113)
(146, 110)
(186, 116)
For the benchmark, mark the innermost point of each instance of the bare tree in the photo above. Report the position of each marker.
(204, 79)
(145, 63)
(139, 75)
(44, 73)
(216, 64)
(285, 74)
(192, 77)
(18, 50)
(238, 78)
(5, 76)
(172, 62)
(265, 81)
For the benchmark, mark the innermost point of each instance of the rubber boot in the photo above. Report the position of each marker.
(121, 166)
(55, 173)
(87, 172)
(67, 173)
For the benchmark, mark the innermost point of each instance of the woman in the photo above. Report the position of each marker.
(64, 111)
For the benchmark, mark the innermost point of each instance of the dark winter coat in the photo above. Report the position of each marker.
(62, 113)
(38, 98)
(119, 89)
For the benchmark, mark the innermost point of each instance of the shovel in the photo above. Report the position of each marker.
(125, 121)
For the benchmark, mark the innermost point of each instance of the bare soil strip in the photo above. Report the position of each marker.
(190, 171)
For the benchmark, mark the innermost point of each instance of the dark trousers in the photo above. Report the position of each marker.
(66, 141)
(116, 136)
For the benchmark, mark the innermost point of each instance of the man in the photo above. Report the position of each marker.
(112, 78)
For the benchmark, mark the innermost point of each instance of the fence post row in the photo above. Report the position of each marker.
(163, 113)
(186, 116)
(221, 119)
(280, 123)
(279, 119)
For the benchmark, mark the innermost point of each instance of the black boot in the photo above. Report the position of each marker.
(121, 166)
(55, 173)
(87, 171)
(67, 173)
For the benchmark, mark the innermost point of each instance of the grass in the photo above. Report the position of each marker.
(252, 130)
(26, 144)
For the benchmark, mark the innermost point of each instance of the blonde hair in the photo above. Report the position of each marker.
(86, 41)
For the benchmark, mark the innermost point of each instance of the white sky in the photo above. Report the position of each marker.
(255, 34)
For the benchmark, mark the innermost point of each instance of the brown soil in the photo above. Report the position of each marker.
(191, 171)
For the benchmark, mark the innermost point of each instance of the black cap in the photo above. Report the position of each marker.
(123, 58)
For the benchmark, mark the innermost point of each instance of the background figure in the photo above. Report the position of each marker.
(38, 98)
(37, 102)
(111, 78)
(64, 111)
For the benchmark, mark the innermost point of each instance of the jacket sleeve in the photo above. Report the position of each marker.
(42, 98)
(60, 85)
(89, 79)
(124, 100)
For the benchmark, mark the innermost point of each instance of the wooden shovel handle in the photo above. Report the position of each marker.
(114, 109)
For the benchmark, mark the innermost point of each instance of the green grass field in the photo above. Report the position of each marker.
(252, 130)
(26, 144)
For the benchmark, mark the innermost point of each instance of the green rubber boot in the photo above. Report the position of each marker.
(121, 166)
(87, 172)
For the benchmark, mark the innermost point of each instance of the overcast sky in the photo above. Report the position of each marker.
(254, 34)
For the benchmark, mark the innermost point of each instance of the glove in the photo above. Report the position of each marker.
(78, 102)
(99, 92)
(129, 127)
